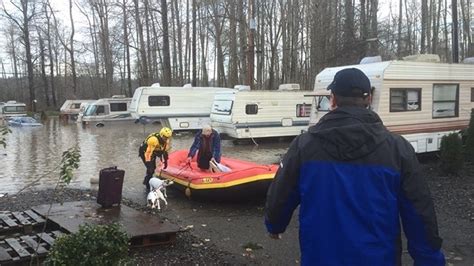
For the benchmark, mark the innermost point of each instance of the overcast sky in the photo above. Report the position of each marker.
(62, 8)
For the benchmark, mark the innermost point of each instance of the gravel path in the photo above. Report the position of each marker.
(222, 232)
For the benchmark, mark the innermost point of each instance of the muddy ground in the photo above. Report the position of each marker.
(224, 233)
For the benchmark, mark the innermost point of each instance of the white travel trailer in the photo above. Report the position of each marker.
(82, 110)
(422, 101)
(12, 109)
(244, 114)
(106, 110)
(180, 108)
(71, 108)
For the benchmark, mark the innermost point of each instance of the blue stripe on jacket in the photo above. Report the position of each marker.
(349, 215)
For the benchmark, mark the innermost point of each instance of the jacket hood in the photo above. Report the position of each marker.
(349, 133)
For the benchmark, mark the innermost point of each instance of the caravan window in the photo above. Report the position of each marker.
(405, 100)
(222, 107)
(95, 110)
(445, 100)
(14, 109)
(323, 103)
(118, 107)
(303, 110)
(251, 109)
(158, 100)
(472, 95)
(76, 106)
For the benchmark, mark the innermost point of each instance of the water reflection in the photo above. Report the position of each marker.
(35, 152)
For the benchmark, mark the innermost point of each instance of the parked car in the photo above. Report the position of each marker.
(24, 121)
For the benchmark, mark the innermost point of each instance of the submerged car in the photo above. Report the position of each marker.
(24, 121)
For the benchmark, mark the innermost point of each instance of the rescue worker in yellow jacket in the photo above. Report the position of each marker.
(155, 145)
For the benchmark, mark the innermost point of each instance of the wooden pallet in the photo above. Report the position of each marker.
(19, 222)
(142, 228)
(22, 249)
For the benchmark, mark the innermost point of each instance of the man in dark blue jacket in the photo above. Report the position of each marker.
(207, 143)
(354, 180)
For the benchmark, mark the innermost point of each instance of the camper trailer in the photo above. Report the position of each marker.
(12, 109)
(82, 110)
(180, 108)
(70, 108)
(422, 101)
(107, 110)
(243, 114)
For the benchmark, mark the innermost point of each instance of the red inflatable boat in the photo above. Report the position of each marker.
(244, 180)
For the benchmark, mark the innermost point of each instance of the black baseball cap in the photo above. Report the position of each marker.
(350, 82)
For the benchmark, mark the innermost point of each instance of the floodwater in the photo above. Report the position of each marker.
(33, 155)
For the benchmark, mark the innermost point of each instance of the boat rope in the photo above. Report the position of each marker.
(253, 140)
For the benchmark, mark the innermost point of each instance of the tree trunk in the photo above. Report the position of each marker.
(364, 26)
(218, 24)
(194, 51)
(204, 40)
(166, 44)
(436, 23)
(454, 12)
(424, 25)
(232, 75)
(187, 51)
(144, 77)
(284, 21)
(102, 11)
(29, 58)
(174, 69)
(151, 66)
(445, 21)
(127, 48)
(51, 58)
(399, 35)
(43, 68)
(242, 42)
(373, 44)
(180, 42)
(71, 51)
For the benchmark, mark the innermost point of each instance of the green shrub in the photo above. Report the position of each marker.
(92, 245)
(451, 154)
(469, 148)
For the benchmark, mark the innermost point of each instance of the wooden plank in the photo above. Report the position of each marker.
(35, 216)
(47, 238)
(17, 247)
(4, 256)
(34, 245)
(21, 218)
(8, 221)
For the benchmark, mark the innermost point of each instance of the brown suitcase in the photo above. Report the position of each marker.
(110, 186)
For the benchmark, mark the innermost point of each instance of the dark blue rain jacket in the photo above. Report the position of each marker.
(354, 182)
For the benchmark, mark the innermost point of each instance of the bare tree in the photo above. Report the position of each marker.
(143, 59)
(233, 57)
(27, 11)
(194, 52)
(126, 46)
(166, 44)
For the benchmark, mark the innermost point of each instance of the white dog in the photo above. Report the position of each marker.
(156, 183)
(153, 199)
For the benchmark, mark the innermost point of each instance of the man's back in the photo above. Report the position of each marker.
(352, 179)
